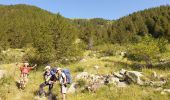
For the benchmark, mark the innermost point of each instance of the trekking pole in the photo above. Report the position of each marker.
(35, 73)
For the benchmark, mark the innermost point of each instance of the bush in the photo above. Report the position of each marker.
(147, 50)
(11, 55)
(34, 56)
(81, 83)
(79, 69)
(109, 49)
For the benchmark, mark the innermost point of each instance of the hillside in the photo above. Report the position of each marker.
(107, 58)
(22, 20)
(154, 21)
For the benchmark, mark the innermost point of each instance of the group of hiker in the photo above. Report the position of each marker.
(51, 76)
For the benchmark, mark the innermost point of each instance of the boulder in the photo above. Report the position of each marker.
(111, 80)
(122, 84)
(157, 83)
(82, 75)
(134, 76)
(94, 87)
(154, 75)
(83, 60)
(96, 67)
(159, 89)
(72, 88)
(94, 78)
(2, 73)
(118, 75)
(166, 90)
(122, 71)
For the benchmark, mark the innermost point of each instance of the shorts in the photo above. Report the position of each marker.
(63, 89)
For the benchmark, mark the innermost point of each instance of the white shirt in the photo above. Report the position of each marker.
(61, 78)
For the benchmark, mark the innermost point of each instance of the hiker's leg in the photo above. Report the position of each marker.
(50, 88)
(63, 91)
(41, 90)
(25, 80)
(63, 96)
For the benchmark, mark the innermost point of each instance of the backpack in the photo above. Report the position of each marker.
(68, 75)
(47, 76)
(53, 71)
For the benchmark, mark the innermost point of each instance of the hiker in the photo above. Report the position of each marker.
(49, 79)
(25, 69)
(63, 82)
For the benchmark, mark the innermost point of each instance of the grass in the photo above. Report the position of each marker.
(9, 90)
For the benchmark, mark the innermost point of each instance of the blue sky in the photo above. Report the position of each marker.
(108, 9)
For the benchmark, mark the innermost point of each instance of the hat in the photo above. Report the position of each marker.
(58, 68)
(47, 67)
(26, 63)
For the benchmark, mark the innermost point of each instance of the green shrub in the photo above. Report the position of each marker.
(110, 49)
(81, 83)
(79, 69)
(146, 50)
(11, 56)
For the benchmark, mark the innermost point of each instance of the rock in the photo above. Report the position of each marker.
(118, 75)
(72, 88)
(166, 90)
(122, 84)
(163, 93)
(122, 71)
(94, 78)
(157, 83)
(159, 89)
(111, 80)
(123, 54)
(154, 75)
(2, 73)
(83, 75)
(96, 67)
(94, 87)
(134, 76)
(83, 60)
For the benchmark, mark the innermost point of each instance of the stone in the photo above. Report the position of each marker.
(118, 75)
(122, 84)
(111, 80)
(135, 76)
(82, 75)
(96, 67)
(159, 89)
(83, 60)
(154, 75)
(163, 93)
(72, 88)
(166, 90)
(2, 73)
(122, 71)
(157, 83)
(94, 87)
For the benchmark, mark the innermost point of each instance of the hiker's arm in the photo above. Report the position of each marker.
(34, 66)
(17, 65)
(65, 81)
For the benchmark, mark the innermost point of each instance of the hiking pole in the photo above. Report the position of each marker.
(35, 72)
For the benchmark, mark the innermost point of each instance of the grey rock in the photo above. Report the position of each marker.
(135, 77)
(157, 83)
(122, 84)
(122, 71)
(72, 88)
(2, 73)
(166, 90)
(83, 75)
(154, 75)
(118, 75)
